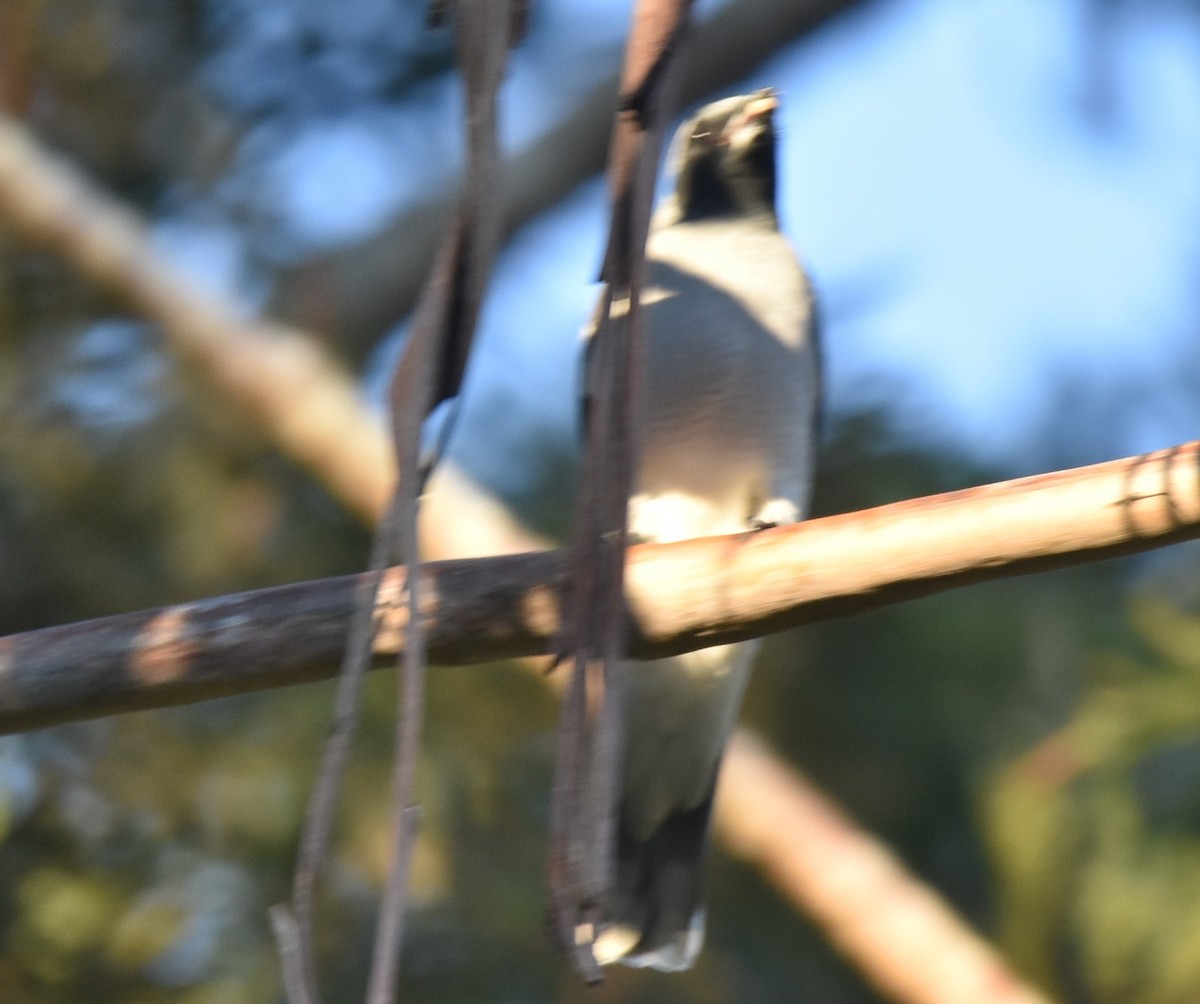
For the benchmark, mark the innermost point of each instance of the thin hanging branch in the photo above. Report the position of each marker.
(429, 372)
(587, 768)
(293, 924)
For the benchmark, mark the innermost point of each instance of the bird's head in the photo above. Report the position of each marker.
(724, 158)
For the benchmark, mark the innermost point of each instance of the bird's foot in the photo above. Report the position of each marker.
(777, 512)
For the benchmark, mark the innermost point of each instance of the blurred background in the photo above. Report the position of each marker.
(999, 203)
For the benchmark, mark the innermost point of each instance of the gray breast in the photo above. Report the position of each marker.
(729, 374)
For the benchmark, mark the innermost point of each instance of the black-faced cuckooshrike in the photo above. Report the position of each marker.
(728, 427)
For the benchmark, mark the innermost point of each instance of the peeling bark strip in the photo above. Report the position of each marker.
(429, 371)
(681, 596)
(587, 769)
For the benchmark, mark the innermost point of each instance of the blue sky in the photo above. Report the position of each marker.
(976, 238)
(1002, 226)
(941, 174)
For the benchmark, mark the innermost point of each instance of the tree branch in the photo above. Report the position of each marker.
(901, 934)
(680, 596)
(280, 377)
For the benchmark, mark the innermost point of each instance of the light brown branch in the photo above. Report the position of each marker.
(901, 934)
(681, 596)
(279, 376)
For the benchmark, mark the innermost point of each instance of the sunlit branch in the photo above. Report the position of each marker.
(903, 937)
(280, 377)
(680, 596)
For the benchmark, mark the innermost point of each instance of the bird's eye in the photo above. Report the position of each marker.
(701, 134)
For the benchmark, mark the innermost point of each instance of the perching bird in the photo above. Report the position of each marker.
(728, 428)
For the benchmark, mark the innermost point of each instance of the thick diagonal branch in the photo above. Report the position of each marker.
(278, 376)
(901, 934)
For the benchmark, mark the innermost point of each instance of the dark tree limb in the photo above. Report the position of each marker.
(680, 596)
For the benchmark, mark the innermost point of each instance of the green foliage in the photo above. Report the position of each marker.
(1095, 832)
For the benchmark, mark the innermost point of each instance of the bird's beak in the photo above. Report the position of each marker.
(752, 121)
(764, 103)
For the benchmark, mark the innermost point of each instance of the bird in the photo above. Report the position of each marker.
(728, 427)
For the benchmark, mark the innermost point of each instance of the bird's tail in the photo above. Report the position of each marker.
(657, 918)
